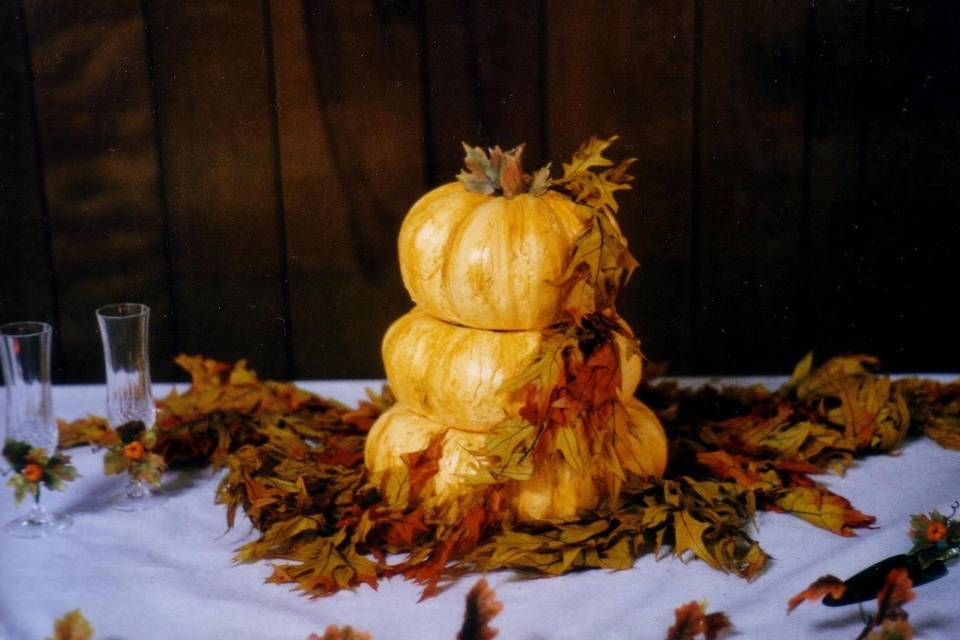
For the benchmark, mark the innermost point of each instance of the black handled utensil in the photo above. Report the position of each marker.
(866, 584)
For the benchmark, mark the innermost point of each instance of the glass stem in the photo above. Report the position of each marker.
(137, 490)
(38, 515)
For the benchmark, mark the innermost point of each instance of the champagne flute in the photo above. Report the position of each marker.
(25, 354)
(124, 328)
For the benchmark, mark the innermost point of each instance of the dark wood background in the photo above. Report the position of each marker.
(243, 167)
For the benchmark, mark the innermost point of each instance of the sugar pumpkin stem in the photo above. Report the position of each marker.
(499, 172)
(511, 172)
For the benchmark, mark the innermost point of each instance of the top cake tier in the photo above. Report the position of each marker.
(489, 262)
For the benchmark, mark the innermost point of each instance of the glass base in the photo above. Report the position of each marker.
(137, 497)
(39, 523)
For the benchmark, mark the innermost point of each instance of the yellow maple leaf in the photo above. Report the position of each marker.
(688, 536)
(72, 626)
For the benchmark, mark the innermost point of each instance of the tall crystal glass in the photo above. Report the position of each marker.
(124, 329)
(29, 417)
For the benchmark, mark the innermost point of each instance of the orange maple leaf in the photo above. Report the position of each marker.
(423, 465)
(822, 586)
(896, 592)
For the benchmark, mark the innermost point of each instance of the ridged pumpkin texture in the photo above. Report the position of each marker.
(555, 491)
(453, 374)
(489, 262)
(399, 430)
(643, 424)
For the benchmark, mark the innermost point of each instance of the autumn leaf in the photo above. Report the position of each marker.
(689, 536)
(92, 430)
(714, 623)
(423, 465)
(600, 263)
(330, 564)
(546, 370)
(934, 409)
(482, 607)
(340, 633)
(541, 180)
(689, 622)
(72, 626)
(499, 172)
(692, 621)
(945, 431)
(510, 444)
(896, 592)
(892, 630)
(822, 586)
(294, 467)
(588, 156)
(590, 177)
(824, 509)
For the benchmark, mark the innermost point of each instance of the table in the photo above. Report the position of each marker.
(168, 573)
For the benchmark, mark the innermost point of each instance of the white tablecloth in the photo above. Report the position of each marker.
(167, 573)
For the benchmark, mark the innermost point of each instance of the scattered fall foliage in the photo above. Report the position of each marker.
(294, 468)
(692, 621)
(481, 608)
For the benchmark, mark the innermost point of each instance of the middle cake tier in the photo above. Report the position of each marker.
(454, 374)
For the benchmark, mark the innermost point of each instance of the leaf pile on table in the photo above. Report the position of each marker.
(294, 464)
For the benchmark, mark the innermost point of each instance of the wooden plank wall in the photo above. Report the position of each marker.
(243, 167)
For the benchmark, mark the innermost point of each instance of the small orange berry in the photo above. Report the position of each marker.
(32, 472)
(936, 531)
(134, 451)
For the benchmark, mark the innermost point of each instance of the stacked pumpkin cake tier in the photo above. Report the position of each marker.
(511, 374)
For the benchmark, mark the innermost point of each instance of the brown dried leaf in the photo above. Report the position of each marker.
(482, 607)
(896, 592)
(822, 586)
(714, 623)
(689, 622)
(692, 620)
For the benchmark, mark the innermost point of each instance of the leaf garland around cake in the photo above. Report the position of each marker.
(294, 467)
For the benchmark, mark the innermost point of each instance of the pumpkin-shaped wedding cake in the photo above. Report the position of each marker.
(514, 375)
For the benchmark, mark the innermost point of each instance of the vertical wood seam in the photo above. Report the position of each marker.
(426, 103)
(45, 219)
(805, 293)
(471, 45)
(340, 168)
(280, 210)
(863, 89)
(863, 135)
(695, 184)
(166, 241)
(543, 79)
